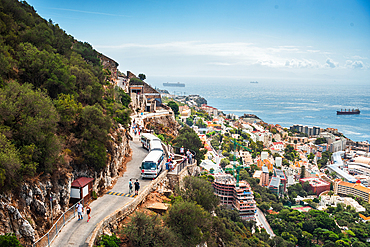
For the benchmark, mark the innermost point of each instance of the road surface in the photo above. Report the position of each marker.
(261, 219)
(75, 233)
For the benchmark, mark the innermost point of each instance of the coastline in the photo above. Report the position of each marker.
(287, 102)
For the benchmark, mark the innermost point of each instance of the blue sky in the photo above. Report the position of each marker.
(311, 39)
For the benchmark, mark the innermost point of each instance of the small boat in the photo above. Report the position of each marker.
(254, 81)
(348, 112)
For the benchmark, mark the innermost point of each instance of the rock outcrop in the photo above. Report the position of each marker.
(28, 212)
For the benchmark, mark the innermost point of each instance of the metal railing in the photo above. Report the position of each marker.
(48, 238)
(182, 165)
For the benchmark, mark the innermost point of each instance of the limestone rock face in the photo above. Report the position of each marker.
(28, 213)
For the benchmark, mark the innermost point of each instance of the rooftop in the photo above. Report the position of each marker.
(275, 182)
(356, 186)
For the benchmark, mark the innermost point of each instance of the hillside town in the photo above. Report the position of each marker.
(332, 168)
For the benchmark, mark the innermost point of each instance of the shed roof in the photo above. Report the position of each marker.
(81, 182)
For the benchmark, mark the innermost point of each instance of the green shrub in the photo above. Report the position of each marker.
(109, 241)
(9, 240)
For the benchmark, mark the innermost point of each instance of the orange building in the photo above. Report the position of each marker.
(356, 189)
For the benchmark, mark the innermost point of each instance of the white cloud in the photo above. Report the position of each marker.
(330, 63)
(355, 64)
(220, 63)
(89, 12)
(302, 63)
(237, 54)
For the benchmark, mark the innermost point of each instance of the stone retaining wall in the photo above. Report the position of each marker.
(164, 180)
(114, 218)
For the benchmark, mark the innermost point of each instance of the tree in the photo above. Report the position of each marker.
(10, 162)
(200, 191)
(148, 230)
(31, 119)
(142, 77)
(303, 171)
(109, 241)
(174, 106)
(190, 222)
(310, 157)
(190, 140)
(93, 128)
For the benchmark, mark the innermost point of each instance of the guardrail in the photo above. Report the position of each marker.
(57, 227)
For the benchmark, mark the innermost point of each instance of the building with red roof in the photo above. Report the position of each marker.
(81, 188)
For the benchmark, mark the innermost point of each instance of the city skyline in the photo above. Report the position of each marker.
(244, 39)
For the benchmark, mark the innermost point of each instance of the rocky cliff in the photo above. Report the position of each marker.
(28, 212)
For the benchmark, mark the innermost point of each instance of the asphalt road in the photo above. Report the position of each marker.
(75, 233)
(265, 224)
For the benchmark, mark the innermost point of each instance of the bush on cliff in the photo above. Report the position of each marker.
(190, 140)
(200, 191)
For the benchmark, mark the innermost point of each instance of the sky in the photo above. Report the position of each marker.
(249, 39)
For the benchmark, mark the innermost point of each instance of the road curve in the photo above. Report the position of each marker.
(75, 233)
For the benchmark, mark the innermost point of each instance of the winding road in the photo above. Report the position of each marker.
(76, 233)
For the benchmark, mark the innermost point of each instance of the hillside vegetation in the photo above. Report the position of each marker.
(55, 101)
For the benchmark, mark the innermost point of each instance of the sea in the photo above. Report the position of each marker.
(285, 102)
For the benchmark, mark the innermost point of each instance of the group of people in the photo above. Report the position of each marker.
(136, 128)
(136, 184)
(189, 155)
(170, 164)
(80, 209)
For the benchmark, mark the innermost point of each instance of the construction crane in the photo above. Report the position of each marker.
(237, 168)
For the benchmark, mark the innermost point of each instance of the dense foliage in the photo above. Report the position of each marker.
(187, 223)
(174, 106)
(54, 98)
(9, 240)
(190, 140)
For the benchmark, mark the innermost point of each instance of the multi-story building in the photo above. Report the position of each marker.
(274, 185)
(317, 185)
(224, 188)
(239, 197)
(283, 180)
(356, 189)
(278, 162)
(244, 201)
(264, 181)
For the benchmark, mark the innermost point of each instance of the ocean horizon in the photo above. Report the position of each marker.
(285, 102)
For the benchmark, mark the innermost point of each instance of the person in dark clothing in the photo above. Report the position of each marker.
(137, 187)
(88, 211)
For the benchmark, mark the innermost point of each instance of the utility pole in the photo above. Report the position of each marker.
(51, 208)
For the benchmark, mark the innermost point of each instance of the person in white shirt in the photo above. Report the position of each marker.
(80, 208)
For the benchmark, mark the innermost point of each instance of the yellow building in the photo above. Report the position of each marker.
(345, 188)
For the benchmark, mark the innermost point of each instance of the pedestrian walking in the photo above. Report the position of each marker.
(137, 187)
(130, 186)
(182, 150)
(88, 211)
(80, 208)
(190, 156)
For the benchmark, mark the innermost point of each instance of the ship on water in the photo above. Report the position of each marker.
(348, 112)
(173, 84)
(254, 81)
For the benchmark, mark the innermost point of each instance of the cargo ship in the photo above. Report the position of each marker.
(348, 112)
(173, 84)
